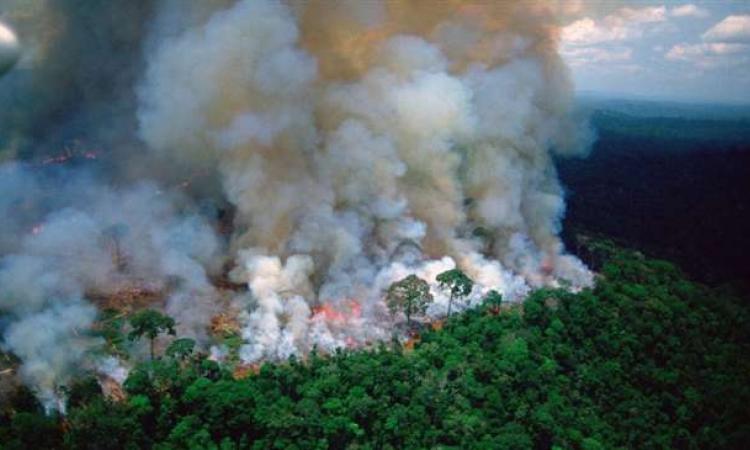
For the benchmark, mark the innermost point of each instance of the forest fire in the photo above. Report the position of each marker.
(349, 310)
(242, 371)
(266, 199)
(339, 224)
(224, 324)
(127, 295)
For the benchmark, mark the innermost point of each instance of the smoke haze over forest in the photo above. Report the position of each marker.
(374, 224)
(313, 155)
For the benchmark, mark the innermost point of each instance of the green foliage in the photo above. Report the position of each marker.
(105, 424)
(181, 348)
(411, 295)
(646, 359)
(457, 283)
(233, 342)
(150, 323)
(24, 425)
(111, 323)
(83, 391)
(493, 300)
(33, 430)
(675, 158)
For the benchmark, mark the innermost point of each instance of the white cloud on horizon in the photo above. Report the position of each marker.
(625, 23)
(726, 44)
(687, 52)
(587, 55)
(666, 48)
(731, 29)
(689, 10)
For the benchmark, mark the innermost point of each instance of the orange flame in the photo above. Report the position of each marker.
(329, 313)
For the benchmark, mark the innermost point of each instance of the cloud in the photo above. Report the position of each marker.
(594, 55)
(731, 29)
(725, 45)
(586, 32)
(649, 14)
(625, 45)
(711, 55)
(687, 51)
(688, 10)
(625, 23)
(591, 41)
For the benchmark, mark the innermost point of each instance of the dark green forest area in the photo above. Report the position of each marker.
(676, 186)
(654, 356)
(646, 359)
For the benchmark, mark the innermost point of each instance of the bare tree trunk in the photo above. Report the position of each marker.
(151, 348)
(450, 304)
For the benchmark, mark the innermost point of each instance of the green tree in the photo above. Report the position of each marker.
(104, 424)
(181, 348)
(564, 370)
(458, 284)
(110, 328)
(411, 294)
(34, 431)
(83, 391)
(493, 300)
(150, 323)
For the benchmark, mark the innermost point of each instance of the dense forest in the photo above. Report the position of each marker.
(646, 359)
(374, 225)
(653, 356)
(672, 180)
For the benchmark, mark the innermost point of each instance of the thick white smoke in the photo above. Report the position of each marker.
(413, 141)
(351, 146)
(101, 242)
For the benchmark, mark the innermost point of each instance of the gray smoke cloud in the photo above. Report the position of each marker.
(339, 135)
(350, 146)
(74, 78)
(74, 256)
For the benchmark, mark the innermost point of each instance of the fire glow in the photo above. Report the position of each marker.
(351, 310)
(273, 167)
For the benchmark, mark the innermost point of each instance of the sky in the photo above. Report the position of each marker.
(683, 51)
(663, 50)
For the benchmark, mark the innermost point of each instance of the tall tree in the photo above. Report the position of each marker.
(411, 294)
(493, 300)
(458, 284)
(181, 348)
(150, 323)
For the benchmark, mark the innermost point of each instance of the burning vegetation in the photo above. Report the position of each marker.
(253, 181)
(278, 177)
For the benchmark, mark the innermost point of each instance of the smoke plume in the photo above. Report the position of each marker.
(349, 144)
